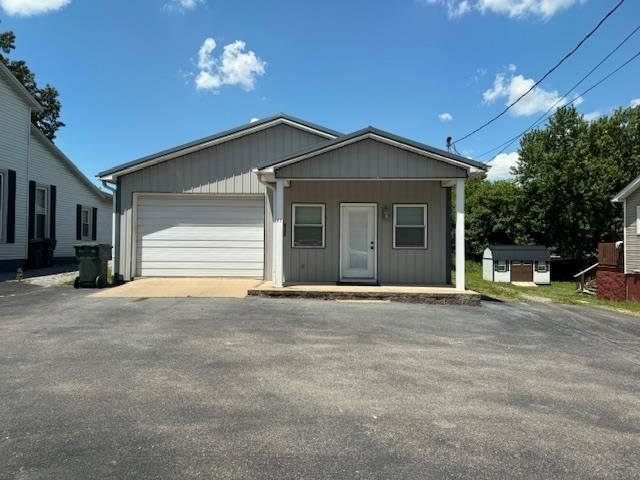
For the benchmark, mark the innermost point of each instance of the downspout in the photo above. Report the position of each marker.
(115, 239)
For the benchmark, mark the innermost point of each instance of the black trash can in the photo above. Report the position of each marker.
(93, 259)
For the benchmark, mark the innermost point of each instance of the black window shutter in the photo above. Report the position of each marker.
(78, 222)
(52, 211)
(11, 207)
(94, 224)
(32, 209)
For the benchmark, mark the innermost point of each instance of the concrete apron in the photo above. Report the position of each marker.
(181, 288)
(439, 295)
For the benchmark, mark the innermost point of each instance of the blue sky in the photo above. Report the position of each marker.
(136, 77)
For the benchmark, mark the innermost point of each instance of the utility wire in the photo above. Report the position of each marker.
(509, 142)
(547, 114)
(551, 70)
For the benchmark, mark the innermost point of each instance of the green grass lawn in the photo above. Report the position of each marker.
(558, 292)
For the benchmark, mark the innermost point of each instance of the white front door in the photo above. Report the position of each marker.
(358, 242)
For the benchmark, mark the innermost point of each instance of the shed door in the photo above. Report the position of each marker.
(522, 271)
(199, 236)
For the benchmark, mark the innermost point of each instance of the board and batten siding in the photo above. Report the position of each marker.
(407, 266)
(632, 238)
(45, 168)
(15, 121)
(222, 169)
(369, 158)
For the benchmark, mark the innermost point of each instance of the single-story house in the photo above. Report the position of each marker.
(617, 280)
(46, 204)
(517, 263)
(287, 200)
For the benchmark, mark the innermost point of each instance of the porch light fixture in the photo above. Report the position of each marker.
(386, 213)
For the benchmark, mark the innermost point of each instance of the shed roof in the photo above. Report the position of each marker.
(214, 140)
(527, 253)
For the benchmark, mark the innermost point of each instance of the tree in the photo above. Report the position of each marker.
(568, 173)
(48, 120)
(492, 215)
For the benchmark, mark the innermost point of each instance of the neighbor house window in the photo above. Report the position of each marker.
(409, 226)
(85, 223)
(638, 220)
(542, 267)
(41, 212)
(502, 266)
(308, 225)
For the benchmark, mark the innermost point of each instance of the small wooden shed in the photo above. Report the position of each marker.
(517, 263)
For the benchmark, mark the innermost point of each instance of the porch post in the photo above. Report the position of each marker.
(278, 219)
(460, 234)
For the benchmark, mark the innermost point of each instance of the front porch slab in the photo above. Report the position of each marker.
(435, 295)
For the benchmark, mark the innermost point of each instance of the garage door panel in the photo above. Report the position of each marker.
(193, 235)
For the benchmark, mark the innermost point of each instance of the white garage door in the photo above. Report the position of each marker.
(199, 236)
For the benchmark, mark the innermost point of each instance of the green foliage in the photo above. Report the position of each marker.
(568, 173)
(48, 120)
(492, 215)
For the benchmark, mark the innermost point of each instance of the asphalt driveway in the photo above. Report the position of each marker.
(261, 388)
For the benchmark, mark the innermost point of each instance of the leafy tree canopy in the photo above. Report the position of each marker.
(48, 120)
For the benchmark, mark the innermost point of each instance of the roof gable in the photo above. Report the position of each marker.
(628, 190)
(383, 138)
(56, 152)
(217, 139)
(18, 88)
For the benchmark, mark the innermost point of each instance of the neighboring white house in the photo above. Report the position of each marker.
(44, 198)
(517, 263)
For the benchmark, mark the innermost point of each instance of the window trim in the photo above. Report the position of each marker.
(537, 269)
(83, 209)
(425, 218)
(294, 225)
(46, 213)
(637, 219)
(498, 268)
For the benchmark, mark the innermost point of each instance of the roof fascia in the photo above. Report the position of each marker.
(626, 191)
(20, 89)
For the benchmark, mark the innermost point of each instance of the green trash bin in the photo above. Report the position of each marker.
(93, 258)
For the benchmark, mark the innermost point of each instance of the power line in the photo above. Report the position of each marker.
(547, 114)
(544, 115)
(551, 70)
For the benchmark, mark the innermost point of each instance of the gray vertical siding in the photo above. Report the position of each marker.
(221, 169)
(370, 159)
(420, 266)
(632, 245)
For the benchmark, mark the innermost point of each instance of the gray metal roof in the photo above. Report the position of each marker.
(218, 136)
(381, 133)
(527, 253)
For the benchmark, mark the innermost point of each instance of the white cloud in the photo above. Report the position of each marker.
(234, 67)
(511, 87)
(511, 8)
(501, 166)
(254, 119)
(26, 8)
(182, 5)
(635, 102)
(589, 117)
(445, 117)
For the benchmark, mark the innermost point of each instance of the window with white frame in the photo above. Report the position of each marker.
(638, 220)
(41, 212)
(542, 266)
(85, 218)
(410, 226)
(308, 225)
(501, 266)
